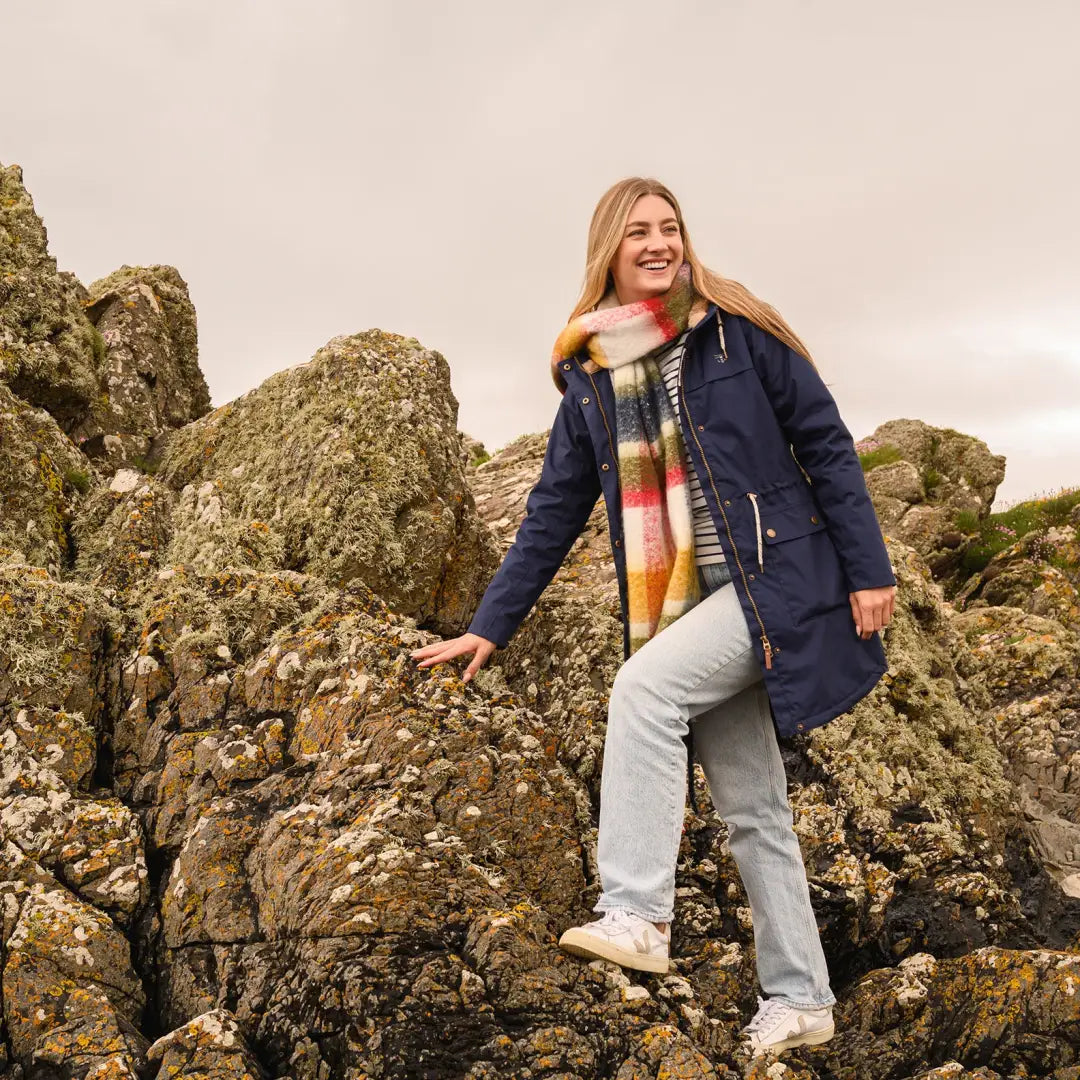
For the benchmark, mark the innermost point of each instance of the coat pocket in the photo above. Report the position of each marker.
(800, 552)
(716, 367)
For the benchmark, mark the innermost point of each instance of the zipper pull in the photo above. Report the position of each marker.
(768, 651)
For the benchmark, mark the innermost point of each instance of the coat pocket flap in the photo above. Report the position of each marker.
(788, 522)
(713, 368)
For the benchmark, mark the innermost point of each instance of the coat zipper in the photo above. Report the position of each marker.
(727, 525)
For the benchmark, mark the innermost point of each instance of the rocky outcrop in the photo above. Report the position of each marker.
(558, 661)
(50, 355)
(150, 376)
(244, 835)
(73, 874)
(1039, 572)
(924, 480)
(347, 467)
(1026, 671)
(950, 1016)
(44, 476)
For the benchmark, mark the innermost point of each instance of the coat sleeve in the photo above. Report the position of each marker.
(810, 420)
(555, 514)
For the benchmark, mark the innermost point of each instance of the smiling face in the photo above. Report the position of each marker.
(650, 253)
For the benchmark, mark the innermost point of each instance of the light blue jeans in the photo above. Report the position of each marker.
(702, 668)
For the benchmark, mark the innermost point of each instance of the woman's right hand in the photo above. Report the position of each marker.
(439, 651)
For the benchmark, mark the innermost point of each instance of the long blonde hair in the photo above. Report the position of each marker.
(606, 233)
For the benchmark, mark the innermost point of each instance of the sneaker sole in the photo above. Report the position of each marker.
(586, 945)
(811, 1038)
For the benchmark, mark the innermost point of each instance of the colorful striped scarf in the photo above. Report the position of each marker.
(657, 521)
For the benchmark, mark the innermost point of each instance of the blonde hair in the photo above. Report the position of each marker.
(606, 233)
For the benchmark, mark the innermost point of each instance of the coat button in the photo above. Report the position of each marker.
(813, 520)
(566, 367)
(770, 532)
(605, 466)
(701, 427)
(799, 726)
(727, 502)
(618, 543)
(584, 401)
(750, 576)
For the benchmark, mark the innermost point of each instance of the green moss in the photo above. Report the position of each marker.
(79, 479)
(97, 343)
(1001, 530)
(145, 465)
(883, 455)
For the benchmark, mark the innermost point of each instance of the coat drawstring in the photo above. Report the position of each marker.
(752, 496)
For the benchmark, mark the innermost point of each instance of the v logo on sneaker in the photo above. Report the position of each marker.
(642, 943)
(800, 1029)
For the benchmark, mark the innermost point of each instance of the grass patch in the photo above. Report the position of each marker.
(967, 521)
(999, 531)
(79, 479)
(871, 454)
(145, 466)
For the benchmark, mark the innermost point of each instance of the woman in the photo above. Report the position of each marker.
(745, 545)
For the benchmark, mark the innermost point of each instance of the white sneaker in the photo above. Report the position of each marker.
(777, 1026)
(622, 937)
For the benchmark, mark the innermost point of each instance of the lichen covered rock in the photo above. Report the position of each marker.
(49, 353)
(922, 479)
(1039, 573)
(150, 376)
(44, 476)
(348, 467)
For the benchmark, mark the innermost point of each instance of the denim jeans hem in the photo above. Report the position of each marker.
(633, 911)
(830, 1000)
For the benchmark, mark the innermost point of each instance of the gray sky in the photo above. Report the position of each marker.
(899, 179)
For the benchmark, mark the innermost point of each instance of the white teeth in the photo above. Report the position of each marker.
(654, 266)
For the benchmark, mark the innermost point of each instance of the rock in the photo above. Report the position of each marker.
(209, 1047)
(930, 479)
(44, 476)
(122, 534)
(150, 376)
(1026, 671)
(71, 998)
(348, 467)
(559, 662)
(1039, 573)
(50, 355)
(1013, 1013)
(473, 453)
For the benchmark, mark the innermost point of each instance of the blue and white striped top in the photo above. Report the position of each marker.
(707, 547)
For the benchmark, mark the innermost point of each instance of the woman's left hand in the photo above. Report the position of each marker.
(872, 609)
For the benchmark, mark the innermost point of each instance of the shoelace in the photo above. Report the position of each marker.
(768, 1013)
(612, 918)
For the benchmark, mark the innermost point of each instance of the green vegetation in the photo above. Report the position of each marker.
(145, 465)
(999, 531)
(79, 479)
(871, 455)
(98, 346)
(931, 480)
(967, 521)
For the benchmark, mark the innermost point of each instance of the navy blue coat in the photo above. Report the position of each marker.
(758, 419)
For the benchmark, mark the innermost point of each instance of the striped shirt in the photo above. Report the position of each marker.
(707, 547)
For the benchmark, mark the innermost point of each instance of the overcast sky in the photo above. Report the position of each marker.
(899, 179)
